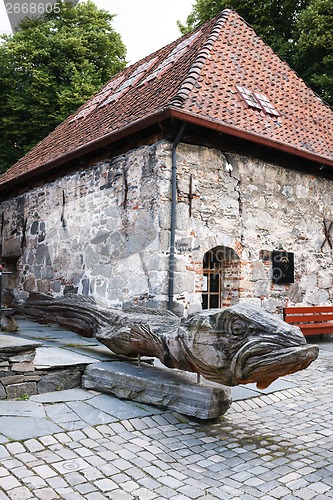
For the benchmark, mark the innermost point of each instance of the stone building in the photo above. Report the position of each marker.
(197, 177)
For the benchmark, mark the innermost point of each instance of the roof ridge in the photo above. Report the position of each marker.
(200, 61)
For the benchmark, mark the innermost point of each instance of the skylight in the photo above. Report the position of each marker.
(174, 55)
(116, 88)
(95, 101)
(257, 100)
(131, 80)
(248, 97)
(266, 104)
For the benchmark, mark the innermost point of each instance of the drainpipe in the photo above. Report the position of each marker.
(173, 217)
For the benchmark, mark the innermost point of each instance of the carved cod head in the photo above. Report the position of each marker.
(243, 344)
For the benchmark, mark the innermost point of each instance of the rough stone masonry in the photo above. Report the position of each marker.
(104, 229)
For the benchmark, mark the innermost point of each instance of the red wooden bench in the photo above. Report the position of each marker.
(312, 320)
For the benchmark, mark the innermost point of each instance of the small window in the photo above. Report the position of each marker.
(248, 97)
(172, 58)
(221, 278)
(211, 292)
(97, 99)
(266, 105)
(257, 100)
(131, 80)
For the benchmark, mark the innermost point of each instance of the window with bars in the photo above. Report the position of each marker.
(221, 278)
(212, 286)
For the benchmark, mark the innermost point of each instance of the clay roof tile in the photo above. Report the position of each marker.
(196, 78)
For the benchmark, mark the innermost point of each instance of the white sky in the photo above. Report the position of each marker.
(144, 25)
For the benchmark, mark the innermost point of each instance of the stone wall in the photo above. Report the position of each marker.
(92, 232)
(105, 230)
(19, 377)
(254, 208)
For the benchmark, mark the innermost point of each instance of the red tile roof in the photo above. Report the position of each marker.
(195, 79)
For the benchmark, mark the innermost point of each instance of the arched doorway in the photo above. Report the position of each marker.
(221, 270)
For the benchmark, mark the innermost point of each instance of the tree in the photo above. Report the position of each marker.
(273, 20)
(48, 68)
(313, 55)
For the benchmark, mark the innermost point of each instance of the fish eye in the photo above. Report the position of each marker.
(239, 327)
(233, 326)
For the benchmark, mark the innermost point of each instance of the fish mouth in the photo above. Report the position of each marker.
(270, 363)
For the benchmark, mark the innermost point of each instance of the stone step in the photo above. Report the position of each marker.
(158, 386)
(58, 357)
(13, 344)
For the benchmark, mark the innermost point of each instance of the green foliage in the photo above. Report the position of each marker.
(23, 397)
(313, 56)
(273, 20)
(48, 68)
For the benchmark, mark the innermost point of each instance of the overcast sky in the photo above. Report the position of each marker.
(144, 25)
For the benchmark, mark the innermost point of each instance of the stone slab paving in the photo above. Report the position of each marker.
(81, 444)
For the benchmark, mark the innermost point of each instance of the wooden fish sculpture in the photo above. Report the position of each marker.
(240, 344)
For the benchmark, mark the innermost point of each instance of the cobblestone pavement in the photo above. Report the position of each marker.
(84, 445)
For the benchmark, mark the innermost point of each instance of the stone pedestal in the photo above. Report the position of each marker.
(27, 368)
(17, 367)
(158, 386)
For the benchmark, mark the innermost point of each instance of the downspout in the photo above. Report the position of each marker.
(173, 217)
